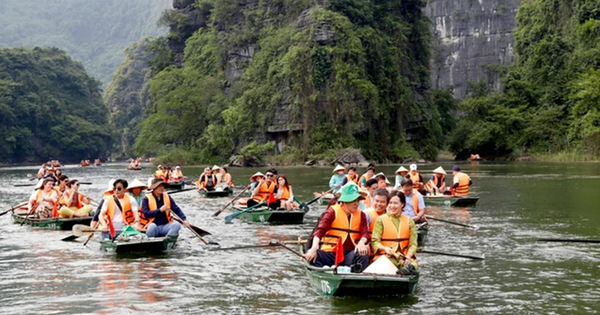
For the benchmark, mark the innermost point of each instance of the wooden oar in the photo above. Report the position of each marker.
(91, 234)
(567, 240)
(23, 185)
(474, 227)
(13, 208)
(423, 251)
(270, 244)
(193, 230)
(290, 249)
(229, 203)
(80, 230)
(230, 217)
(322, 194)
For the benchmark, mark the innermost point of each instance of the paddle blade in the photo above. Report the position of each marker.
(69, 238)
(200, 231)
(80, 229)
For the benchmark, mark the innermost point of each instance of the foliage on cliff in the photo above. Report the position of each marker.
(551, 99)
(127, 97)
(49, 108)
(349, 73)
(93, 32)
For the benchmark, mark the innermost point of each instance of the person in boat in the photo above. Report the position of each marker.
(161, 173)
(254, 180)
(370, 188)
(176, 176)
(337, 178)
(460, 183)
(207, 180)
(58, 173)
(416, 178)
(380, 202)
(395, 235)
(436, 184)
(351, 176)
(264, 191)
(135, 191)
(107, 194)
(44, 200)
(285, 196)
(63, 183)
(118, 210)
(362, 182)
(156, 216)
(42, 171)
(382, 181)
(414, 206)
(400, 174)
(344, 222)
(224, 177)
(75, 203)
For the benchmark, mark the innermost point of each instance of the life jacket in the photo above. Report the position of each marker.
(79, 203)
(162, 174)
(341, 227)
(415, 201)
(285, 193)
(415, 179)
(204, 182)
(54, 204)
(126, 211)
(360, 181)
(227, 179)
(264, 191)
(152, 206)
(352, 178)
(176, 176)
(373, 215)
(435, 182)
(463, 184)
(394, 238)
(367, 202)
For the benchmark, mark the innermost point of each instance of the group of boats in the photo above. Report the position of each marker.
(326, 281)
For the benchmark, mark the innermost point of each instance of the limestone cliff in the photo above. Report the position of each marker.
(471, 38)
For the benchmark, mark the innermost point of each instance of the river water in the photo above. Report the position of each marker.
(520, 202)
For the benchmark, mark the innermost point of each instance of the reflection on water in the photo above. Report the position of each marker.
(520, 202)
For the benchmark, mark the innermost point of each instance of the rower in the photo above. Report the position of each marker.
(362, 182)
(207, 180)
(395, 235)
(436, 184)
(254, 179)
(345, 224)
(416, 178)
(156, 212)
(264, 191)
(461, 182)
(400, 174)
(161, 173)
(415, 206)
(119, 208)
(135, 191)
(75, 203)
(337, 178)
(176, 176)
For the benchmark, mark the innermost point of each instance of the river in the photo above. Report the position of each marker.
(520, 202)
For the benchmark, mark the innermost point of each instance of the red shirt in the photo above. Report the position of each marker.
(328, 218)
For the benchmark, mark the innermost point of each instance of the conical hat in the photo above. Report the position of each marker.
(256, 175)
(439, 170)
(401, 169)
(380, 174)
(338, 168)
(382, 266)
(137, 184)
(215, 167)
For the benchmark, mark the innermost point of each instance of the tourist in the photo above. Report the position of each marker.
(416, 178)
(337, 178)
(351, 176)
(380, 202)
(285, 196)
(176, 176)
(207, 180)
(400, 174)
(460, 183)
(156, 214)
(117, 210)
(75, 203)
(224, 177)
(415, 205)
(43, 201)
(264, 191)
(362, 182)
(436, 184)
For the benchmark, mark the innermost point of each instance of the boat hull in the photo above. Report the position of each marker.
(147, 245)
(330, 284)
(175, 186)
(216, 194)
(450, 201)
(266, 215)
(50, 224)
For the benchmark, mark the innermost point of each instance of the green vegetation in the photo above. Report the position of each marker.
(551, 100)
(49, 108)
(351, 74)
(95, 33)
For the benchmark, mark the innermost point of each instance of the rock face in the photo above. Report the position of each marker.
(471, 38)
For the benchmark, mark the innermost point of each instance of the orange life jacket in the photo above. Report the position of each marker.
(415, 179)
(373, 215)
(162, 174)
(393, 237)
(204, 182)
(285, 193)
(367, 202)
(366, 177)
(152, 206)
(435, 182)
(127, 213)
(176, 176)
(341, 227)
(352, 178)
(463, 184)
(264, 191)
(227, 179)
(54, 204)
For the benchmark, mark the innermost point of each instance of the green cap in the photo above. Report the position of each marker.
(349, 193)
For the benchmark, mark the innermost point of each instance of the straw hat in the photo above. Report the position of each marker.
(401, 169)
(137, 184)
(156, 182)
(110, 191)
(215, 168)
(339, 168)
(256, 175)
(439, 170)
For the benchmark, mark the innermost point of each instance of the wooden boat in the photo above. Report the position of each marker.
(448, 200)
(145, 245)
(97, 162)
(18, 216)
(264, 214)
(215, 193)
(134, 168)
(325, 199)
(327, 282)
(175, 186)
(422, 231)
